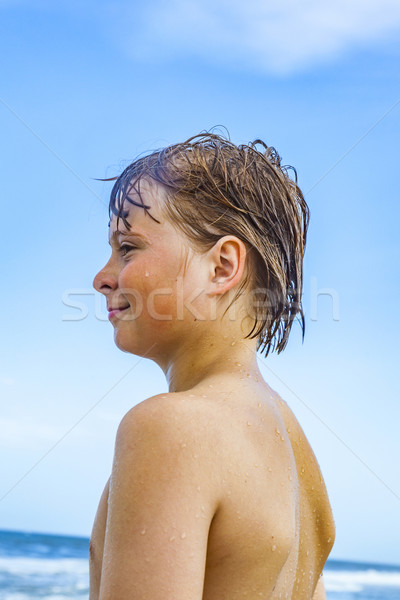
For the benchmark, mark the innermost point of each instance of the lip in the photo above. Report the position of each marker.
(115, 311)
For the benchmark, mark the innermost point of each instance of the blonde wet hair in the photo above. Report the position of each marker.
(216, 188)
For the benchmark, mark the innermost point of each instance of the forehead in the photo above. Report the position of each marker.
(139, 218)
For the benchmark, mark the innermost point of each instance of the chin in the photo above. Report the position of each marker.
(128, 342)
(124, 342)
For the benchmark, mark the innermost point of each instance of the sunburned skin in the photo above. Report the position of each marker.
(215, 493)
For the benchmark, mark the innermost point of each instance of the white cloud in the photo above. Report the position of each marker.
(281, 37)
(277, 37)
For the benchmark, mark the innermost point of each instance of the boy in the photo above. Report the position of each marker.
(215, 493)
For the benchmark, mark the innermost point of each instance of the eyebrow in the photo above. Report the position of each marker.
(117, 233)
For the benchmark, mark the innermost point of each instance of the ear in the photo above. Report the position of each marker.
(227, 262)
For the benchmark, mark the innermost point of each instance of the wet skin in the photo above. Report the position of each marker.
(272, 530)
(215, 493)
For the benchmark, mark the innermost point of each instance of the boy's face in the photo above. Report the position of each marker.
(145, 283)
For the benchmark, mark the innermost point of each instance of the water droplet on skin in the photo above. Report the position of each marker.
(238, 364)
(183, 535)
(273, 548)
(290, 478)
(270, 469)
(211, 386)
(203, 396)
(308, 552)
(171, 539)
(143, 532)
(183, 445)
(198, 488)
(248, 424)
(146, 274)
(277, 432)
(282, 438)
(191, 395)
(233, 343)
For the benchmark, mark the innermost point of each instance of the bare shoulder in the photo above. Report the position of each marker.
(170, 415)
(162, 501)
(177, 429)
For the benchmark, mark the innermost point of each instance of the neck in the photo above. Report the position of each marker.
(213, 356)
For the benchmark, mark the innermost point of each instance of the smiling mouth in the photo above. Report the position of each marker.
(116, 311)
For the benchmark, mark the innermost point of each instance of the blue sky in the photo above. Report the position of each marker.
(85, 88)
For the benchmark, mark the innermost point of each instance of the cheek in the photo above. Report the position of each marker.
(150, 288)
(161, 305)
(128, 290)
(134, 276)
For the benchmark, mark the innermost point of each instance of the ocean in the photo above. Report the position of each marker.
(55, 567)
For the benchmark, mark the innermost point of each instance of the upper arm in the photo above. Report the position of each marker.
(96, 544)
(161, 503)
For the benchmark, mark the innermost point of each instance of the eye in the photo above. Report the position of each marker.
(125, 248)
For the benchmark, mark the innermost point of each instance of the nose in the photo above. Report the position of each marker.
(105, 281)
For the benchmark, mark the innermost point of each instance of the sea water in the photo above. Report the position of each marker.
(49, 567)
(54, 567)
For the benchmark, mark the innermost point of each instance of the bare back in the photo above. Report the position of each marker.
(274, 529)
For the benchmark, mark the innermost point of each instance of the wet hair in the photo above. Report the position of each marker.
(216, 188)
